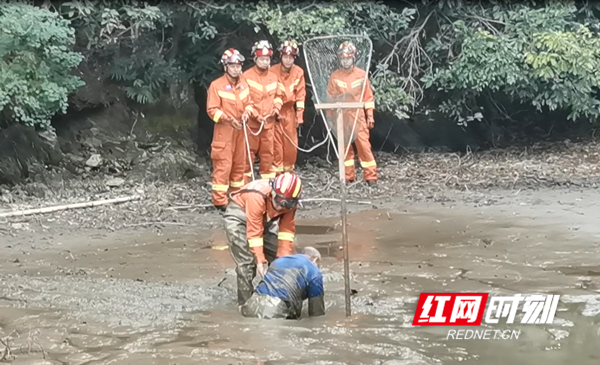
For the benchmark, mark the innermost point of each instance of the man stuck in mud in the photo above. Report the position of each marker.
(288, 282)
(260, 224)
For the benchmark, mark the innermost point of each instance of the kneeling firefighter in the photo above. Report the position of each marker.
(260, 224)
(288, 282)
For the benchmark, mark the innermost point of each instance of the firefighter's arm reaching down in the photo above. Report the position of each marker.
(255, 212)
(300, 98)
(278, 100)
(369, 99)
(249, 107)
(333, 93)
(287, 233)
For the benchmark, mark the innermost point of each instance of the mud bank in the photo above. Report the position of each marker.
(156, 297)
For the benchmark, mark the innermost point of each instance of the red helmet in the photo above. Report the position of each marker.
(262, 48)
(232, 56)
(287, 188)
(347, 50)
(289, 47)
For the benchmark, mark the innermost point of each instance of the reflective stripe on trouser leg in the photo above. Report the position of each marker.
(265, 153)
(238, 163)
(365, 154)
(236, 185)
(235, 229)
(247, 177)
(219, 194)
(221, 157)
(349, 168)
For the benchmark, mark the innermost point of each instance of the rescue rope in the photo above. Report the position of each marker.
(247, 142)
(262, 124)
(328, 138)
(246, 129)
(300, 149)
(329, 134)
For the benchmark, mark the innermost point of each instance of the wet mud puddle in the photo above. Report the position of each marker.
(170, 299)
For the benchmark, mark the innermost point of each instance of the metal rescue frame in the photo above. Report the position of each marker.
(339, 107)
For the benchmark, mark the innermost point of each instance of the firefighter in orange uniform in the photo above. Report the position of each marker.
(260, 224)
(346, 84)
(291, 77)
(228, 105)
(267, 97)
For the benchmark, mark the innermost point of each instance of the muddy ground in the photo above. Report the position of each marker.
(150, 295)
(151, 282)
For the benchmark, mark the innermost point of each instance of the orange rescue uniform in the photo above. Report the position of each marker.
(255, 200)
(267, 95)
(347, 85)
(226, 102)
(291, 116)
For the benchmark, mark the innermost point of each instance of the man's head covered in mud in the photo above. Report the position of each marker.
(313, 254)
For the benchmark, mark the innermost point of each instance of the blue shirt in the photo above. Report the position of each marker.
(292, 278)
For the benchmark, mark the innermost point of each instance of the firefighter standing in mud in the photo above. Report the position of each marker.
(346, 85)
(267, 96)
(288, 282)
(291, 77)
(260, 225)
(228, 105)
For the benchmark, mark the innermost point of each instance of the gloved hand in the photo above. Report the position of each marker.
(274, 113)
(225, 119)
(370, 121)
(299, 118)
(261, 269)
(236, 124)
(245, 116)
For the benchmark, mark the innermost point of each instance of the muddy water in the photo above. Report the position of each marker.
(169, 299)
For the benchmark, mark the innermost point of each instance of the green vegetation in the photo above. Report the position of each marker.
(465, 60)
(36, 60)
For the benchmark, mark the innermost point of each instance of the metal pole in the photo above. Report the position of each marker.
(341, 150)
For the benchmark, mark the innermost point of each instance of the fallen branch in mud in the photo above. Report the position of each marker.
(435, 176)
(334, 200)
(33, 340)
(69, 206)
(155, 223)
(8, 352)
(184, 207)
